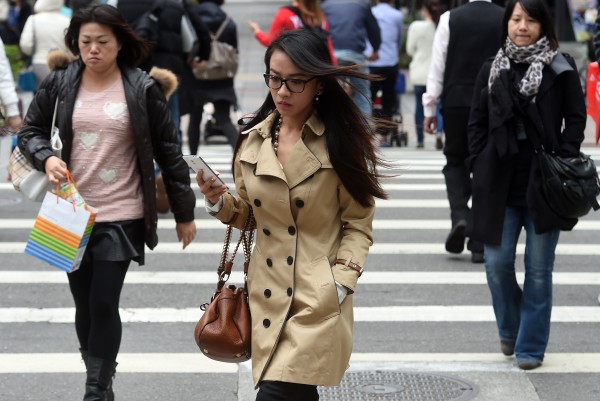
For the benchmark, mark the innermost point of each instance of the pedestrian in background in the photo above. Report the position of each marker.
(351, 25)
(9, 108)
(221, 93)
(596, 45)
(168, 53)
(113, 120)
(13, 14)
(527, 77)
(465, 37)
(44, 31)
(390, 22)
(299, 14)
(308, 144)
(9, 99)
(419, 45)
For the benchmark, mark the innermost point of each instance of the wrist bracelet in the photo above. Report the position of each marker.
(351, 265)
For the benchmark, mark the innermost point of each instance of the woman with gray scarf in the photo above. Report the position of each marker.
(527, 77)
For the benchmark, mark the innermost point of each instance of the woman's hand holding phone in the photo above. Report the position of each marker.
(213, 194)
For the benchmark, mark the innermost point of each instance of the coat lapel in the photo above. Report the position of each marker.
(308, 154)
(558, 65)
(301, 164)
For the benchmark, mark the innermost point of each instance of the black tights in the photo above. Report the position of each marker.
(96, 289)
(284, 391)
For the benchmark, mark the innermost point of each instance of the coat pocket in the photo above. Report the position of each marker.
(324, 300)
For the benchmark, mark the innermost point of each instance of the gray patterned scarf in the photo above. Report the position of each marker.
(536, 55)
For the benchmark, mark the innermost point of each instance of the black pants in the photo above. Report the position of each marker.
(222, 117)
(96, 289)
(456, 150)
(283, 391)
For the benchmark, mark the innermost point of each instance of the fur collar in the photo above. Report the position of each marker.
(167, 80)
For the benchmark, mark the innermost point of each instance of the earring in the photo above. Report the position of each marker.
(319, 93)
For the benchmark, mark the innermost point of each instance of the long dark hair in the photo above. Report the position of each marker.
(434, 9)
(350, 135)
(134, 49)
(537, 10)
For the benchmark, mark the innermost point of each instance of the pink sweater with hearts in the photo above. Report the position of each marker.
(104, 159)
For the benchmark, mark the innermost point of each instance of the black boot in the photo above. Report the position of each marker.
(99, 378)
(110, 394)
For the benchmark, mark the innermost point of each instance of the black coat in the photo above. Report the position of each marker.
(154, 135)
(492, 148)
(194, 92)
(168, 53)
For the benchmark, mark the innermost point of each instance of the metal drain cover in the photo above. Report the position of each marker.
(388, 385)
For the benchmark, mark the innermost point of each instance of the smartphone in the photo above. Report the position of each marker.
(196, 163)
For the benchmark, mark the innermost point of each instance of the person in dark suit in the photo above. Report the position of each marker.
(465, 37)
(527, 77)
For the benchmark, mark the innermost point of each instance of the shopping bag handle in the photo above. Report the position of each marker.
(71, 185)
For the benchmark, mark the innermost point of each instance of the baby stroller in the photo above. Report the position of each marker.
(398, 135)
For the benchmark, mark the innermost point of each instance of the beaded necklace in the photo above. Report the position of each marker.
(275, 137)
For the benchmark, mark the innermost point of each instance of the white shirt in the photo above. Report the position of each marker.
(435, 77)
(8, 94)
(49, 28)
(419, 45)
(390, 23)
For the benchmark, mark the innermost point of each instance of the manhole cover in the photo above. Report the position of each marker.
(386, 385)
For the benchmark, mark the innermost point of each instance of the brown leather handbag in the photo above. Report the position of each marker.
(223, 333)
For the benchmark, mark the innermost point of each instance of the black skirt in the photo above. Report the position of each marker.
(116, 242)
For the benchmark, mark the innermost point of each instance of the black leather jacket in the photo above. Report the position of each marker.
(154, 132)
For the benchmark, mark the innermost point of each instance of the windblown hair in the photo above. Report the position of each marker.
(134, 48)
(537, 10)
(349, 134)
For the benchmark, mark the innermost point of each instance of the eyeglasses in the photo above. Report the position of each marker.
(294, 85)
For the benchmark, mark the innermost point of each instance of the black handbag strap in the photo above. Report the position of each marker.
(536, 121)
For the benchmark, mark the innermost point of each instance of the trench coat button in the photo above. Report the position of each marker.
(292, 230)
(266, 231)
(299, 203)
(266, 323)
(289, 292)
(267, 293)
(290, 260)
(257, 202)
(269, 262)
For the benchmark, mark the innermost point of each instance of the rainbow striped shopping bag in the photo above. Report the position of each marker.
(61, 232)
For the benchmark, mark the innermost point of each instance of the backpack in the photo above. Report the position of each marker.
(223, 60)
(147, 26)
(321, 33)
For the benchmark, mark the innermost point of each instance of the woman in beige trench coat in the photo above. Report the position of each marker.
(307, 168)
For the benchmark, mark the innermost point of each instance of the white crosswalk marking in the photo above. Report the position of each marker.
(410, 285)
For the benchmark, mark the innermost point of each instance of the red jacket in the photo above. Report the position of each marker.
(288, 20)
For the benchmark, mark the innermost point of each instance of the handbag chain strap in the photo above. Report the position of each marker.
(246, 239)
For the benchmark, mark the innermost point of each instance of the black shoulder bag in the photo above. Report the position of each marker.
(570, 185)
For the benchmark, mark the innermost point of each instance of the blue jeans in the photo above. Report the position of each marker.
(361, 91)
(522, 315)
(420, 114)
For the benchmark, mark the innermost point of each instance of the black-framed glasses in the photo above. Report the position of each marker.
(294, 85)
